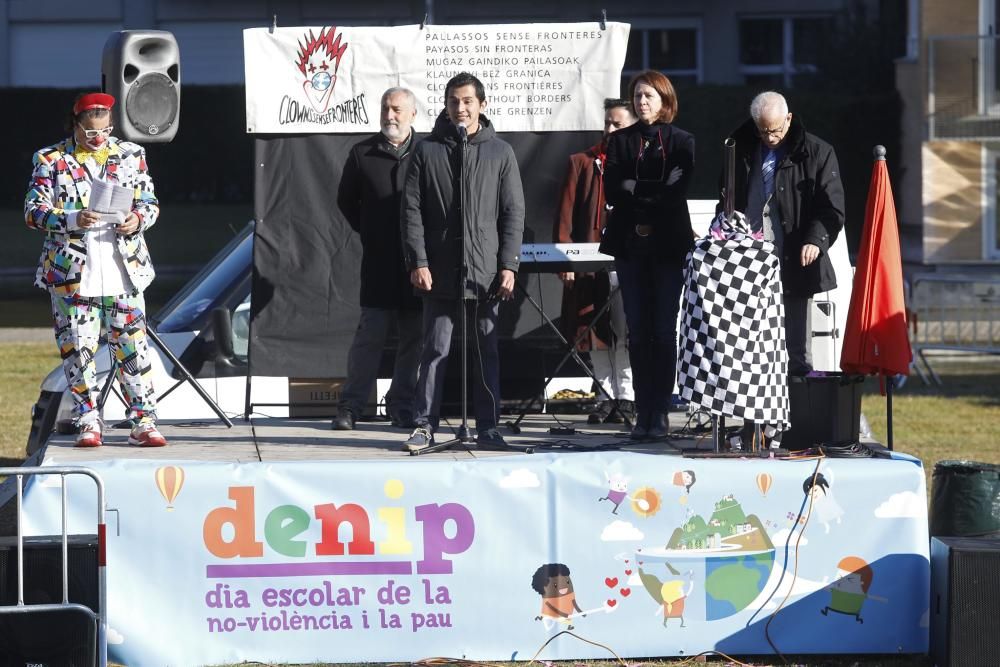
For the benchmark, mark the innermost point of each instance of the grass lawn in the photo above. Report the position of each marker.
(958, 420)
(22, 368)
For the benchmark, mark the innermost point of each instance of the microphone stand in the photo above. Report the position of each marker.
(463, 438)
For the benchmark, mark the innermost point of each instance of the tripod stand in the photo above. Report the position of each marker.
(187, 377)
(571, 353)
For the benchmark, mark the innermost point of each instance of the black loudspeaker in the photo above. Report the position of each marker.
(62, 637)
(141, 68)
(965, 601)
(823, 410)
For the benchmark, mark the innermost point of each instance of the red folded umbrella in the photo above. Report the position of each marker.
(876, 340)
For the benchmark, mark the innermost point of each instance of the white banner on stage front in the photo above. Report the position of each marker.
(212, 563)
(538, 77)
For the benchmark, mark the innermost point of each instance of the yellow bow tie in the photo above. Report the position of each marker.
(100, 156)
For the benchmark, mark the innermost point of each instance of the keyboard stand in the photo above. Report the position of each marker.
(571, 353)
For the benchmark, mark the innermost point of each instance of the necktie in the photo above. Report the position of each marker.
(767, 173)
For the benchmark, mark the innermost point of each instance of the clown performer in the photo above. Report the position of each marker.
(95, 263)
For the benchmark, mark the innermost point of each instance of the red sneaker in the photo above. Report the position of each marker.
(90, 435)
(146, 435)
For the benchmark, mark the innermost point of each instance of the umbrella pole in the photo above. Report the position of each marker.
(888, 410)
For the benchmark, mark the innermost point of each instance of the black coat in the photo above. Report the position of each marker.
(810, 200)
(432, 219)
(369, 195)
(646, 202)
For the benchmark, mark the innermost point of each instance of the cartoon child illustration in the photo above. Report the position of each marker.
(669, 594)
(850, 590)
(684, 478)
(617, 490)
(553, 583)
(825, 507)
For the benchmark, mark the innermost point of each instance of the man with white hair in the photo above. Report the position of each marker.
(788, 185)
(369, 197)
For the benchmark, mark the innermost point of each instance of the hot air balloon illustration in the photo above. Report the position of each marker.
(169, 480)
(764, 480)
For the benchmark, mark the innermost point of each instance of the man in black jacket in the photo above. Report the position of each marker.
(462, 222)
(369, 196)
(788, 185)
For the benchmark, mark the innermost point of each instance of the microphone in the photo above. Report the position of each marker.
(462, 132)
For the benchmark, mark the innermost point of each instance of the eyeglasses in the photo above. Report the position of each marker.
(93, 134)
(775, 132)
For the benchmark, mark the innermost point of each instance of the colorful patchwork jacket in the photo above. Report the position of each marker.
(60, 186)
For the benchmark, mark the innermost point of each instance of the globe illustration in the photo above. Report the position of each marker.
(711, 569)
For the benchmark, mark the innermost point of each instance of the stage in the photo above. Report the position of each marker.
(281, 540)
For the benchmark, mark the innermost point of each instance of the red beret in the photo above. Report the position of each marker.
(93, 101)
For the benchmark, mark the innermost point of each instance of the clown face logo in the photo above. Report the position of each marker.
(319, 60)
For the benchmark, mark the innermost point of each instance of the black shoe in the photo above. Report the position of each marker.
(657, 427)
(640, 429)
(421, 438)
(626, 410)
(616, 416)
(600, 414)
(490, 437)
(344, 420)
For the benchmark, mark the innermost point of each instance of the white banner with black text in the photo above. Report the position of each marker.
(539, 77)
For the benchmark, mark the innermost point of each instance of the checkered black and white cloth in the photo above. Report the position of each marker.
(732, 358)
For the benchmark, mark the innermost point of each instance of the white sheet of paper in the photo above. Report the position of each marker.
(107, 197)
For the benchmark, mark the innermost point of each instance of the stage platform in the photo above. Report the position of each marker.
(273, 439)
(281, 540)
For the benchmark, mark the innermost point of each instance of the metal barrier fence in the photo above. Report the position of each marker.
(98, 618)
(953, 313)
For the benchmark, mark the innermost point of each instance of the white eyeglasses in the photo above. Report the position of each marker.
(93, 134)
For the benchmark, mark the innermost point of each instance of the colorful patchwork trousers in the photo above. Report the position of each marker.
(79, 321)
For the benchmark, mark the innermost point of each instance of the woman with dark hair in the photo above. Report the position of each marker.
(95, 263)
(649, 166)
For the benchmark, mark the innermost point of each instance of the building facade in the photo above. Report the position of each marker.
(58, 43)
(951, 129)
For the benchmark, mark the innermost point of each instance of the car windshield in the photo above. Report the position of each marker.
(231, 265)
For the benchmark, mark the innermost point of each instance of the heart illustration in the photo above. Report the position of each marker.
(612, 603)
(611, 582)
(625, 592)
(640, 562)
(628, 572)
(626, 561)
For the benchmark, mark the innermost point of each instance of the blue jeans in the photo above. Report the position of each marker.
(651, 292)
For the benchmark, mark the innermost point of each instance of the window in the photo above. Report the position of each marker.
(774, 51)
(674, 49)
(991, 201)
